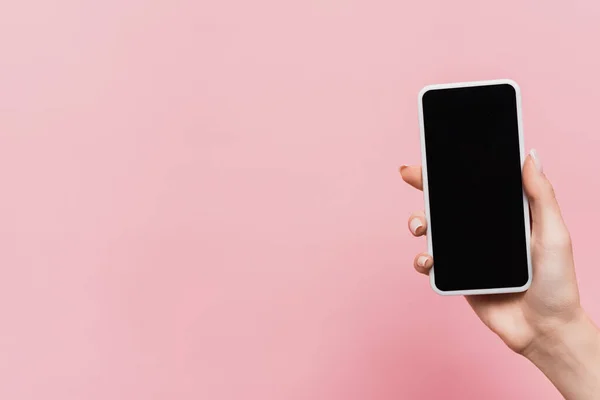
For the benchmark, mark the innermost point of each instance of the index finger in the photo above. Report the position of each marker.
(411, 174)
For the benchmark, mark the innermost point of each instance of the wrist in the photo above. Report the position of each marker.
(565, 335)
(569, 353)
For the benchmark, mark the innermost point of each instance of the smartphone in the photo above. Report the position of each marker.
(477, 213)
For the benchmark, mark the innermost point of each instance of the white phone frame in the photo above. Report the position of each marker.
(426, 187)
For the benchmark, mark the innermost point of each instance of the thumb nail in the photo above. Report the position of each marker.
(536, 159)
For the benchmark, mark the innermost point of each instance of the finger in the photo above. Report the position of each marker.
(417, 224)
(423, 263)
(411, 174)
(547, 223)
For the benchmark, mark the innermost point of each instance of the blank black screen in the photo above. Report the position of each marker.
(475, 188)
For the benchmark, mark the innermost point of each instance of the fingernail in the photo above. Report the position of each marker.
(421, 261)
(402, 167)
(415, 224)
(536, 159)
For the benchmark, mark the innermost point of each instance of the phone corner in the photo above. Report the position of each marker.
(512, 83)
(434, 287)
(523, 288)
(527, 284)
(424, 91)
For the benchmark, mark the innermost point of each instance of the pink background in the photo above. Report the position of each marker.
(200, 199)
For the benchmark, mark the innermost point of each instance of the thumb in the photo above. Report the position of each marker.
(547, 222)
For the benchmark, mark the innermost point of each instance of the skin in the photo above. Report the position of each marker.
(546, 323)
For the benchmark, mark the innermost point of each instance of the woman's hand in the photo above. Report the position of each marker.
(553, 298)
(546, 323)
